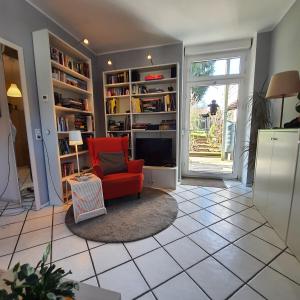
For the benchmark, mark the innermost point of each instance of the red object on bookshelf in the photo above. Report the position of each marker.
(119, 184)
(154, 77)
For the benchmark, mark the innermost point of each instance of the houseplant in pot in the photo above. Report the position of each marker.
(44, 282)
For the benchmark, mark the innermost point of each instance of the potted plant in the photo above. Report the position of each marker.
(44, 282)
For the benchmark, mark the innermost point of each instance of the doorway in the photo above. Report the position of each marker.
(18, 169)
(17, 122)
(213, 89)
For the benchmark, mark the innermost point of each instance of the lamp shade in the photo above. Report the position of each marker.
(14, 91)
(284, 84)
(75, 138)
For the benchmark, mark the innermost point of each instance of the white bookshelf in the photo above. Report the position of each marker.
(159, 176)
(50, 110)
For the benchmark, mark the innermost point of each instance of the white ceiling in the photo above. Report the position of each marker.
(113, 25)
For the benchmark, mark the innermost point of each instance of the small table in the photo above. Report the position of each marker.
(87, 198)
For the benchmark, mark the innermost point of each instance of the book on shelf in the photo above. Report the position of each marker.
(136, 105)
(112, 106)
(68, 102)
(120, 91)
(68, 79)
(121, 125)
(69, 62)
(62, 124)
(64, 147)
(67, 169)
(120, 77)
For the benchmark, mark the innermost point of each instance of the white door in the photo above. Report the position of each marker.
(9, 185)
(212, 121)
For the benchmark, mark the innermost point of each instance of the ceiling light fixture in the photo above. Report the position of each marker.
(86, 41)
(109, 62)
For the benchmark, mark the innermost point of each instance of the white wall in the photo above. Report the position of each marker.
(285, 55)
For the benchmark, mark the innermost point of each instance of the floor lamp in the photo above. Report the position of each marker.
(283, 85)
(75, 139)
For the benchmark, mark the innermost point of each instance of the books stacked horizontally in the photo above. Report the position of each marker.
(81, 104)
(67, 169)
(69, 62)
(118, 78)
(114, 125)
(154, 104)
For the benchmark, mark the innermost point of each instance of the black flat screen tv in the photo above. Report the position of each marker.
(154, 151)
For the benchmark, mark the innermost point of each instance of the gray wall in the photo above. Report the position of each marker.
(259, 83)
(18, 20)
(130, 59)
(285, 55)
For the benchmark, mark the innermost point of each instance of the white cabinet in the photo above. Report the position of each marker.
(293, 239)
(276, 161)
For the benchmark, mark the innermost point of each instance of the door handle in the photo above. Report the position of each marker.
(274, 139)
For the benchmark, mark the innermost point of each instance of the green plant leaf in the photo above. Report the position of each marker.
(46, 253)
(51, 296)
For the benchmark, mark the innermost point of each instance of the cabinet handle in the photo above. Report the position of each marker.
(274, 139)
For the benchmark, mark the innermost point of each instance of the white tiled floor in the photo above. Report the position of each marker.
(219, 247)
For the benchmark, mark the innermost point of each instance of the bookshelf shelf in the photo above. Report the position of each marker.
(55, 59)
(153, 94)
(119, 96)
(62, 85)
(73, 154)
(144, 111)
(120, 84)
(157, 81)
(152, 131)
(72, 110)
(68, 71)
(155, 113)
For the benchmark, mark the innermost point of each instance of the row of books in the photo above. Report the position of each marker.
(118, 78)
(70, 62)
(114, 125)
(117, 91)
(66, 78)
(81, 104)
(113, 106)
(77, 122)
(67, 169)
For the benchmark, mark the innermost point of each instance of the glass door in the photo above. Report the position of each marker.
(211, 129)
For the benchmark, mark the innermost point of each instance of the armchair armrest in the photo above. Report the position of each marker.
(135, 166)
(97, 171)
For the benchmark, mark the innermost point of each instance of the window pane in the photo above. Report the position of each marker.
(234, 66)
(209, 68)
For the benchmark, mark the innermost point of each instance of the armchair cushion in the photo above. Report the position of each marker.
(112, 162)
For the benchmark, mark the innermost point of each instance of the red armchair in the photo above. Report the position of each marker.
(119, 184)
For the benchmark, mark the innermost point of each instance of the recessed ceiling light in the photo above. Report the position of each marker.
(86, 41)
(109, 62)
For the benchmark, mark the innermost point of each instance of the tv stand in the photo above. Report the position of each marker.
(160, 177)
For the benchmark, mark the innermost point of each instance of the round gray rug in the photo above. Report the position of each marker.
(128, 219)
